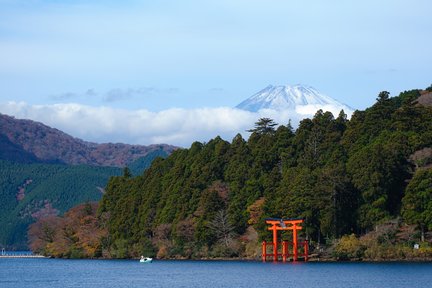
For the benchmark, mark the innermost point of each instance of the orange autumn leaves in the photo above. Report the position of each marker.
(75, 235)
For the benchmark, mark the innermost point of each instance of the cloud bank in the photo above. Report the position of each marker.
(174, 126)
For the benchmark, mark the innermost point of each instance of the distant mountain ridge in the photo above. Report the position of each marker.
(285, 97)
(28, 141)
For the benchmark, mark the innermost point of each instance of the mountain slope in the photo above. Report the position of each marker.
(47, 172)
(13, 152)
(31, 191)
(288, 98)
(51, 145)
(141, 164)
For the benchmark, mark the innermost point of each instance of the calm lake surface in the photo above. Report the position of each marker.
(51, 273)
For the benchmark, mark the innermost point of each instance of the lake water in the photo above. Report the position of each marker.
(52, 273)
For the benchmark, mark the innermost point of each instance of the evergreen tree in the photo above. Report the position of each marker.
(264, 126)
(417, 202)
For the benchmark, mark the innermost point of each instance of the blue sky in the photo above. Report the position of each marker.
(160, 55)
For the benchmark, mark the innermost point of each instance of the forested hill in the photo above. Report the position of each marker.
(27, 141)
(31, 191)
(44, 171)
(341, 176)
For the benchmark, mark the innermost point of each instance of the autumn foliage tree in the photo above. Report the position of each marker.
(75, 235)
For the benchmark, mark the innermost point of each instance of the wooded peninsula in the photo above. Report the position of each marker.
(363, 187)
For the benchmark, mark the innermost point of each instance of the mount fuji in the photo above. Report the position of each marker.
(299, 100)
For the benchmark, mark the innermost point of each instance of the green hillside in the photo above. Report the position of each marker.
(342, 176)
(141, 164)
(32, 191)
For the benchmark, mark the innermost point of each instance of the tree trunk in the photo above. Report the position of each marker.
(422, 233)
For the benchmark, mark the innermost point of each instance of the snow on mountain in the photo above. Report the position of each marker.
(300, 100)
(286, 98)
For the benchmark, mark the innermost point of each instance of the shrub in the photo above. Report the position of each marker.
(348, 247)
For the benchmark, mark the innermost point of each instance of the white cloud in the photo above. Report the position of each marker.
(308, 110)
(172, 126)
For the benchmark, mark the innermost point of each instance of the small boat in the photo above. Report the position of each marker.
(146, 259)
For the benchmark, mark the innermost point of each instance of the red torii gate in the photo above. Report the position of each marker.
(284, 224)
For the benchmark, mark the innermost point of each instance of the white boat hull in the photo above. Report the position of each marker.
(146, 260)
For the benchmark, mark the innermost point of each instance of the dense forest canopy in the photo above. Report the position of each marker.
(31, 191)
(342, 176)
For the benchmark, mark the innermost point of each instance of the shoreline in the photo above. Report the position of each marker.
(23, 256)
(311, 260)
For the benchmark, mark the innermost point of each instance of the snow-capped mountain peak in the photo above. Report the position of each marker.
(288, 98)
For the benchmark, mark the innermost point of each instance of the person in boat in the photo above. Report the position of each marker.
(142, 257)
